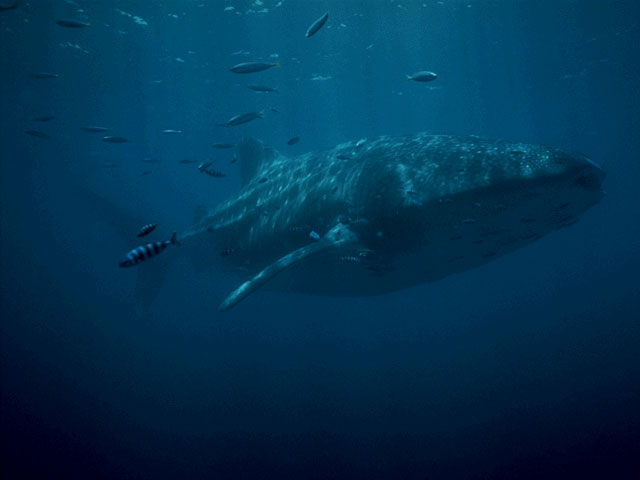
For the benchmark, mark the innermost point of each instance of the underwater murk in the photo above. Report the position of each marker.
(319, 239)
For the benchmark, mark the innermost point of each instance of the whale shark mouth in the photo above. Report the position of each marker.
(590, 178)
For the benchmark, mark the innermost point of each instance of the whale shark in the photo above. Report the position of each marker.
(378, 215)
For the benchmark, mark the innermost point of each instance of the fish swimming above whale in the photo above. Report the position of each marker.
(422, 206)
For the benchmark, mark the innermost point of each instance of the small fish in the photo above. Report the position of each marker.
(314, 235)
(212, 173)
(423, 76)
(223, 145)
(261, 88)
(262, 180)
(293, 141)
(144, 173)
(43, 75)
(343, 156)
(37, 134)
(150, 160)
(44, 118)
(71, 23)
(204, 165)
(243, 118)
(92, 128)
(147, 229)
(361, 142)
(226, 252)
(144, 252)
(317, 25)
(253, 67)
(111, 139)
(186, 161)
(171, 132)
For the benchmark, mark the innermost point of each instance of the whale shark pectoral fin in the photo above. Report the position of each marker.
(250, 286)
(337, 236)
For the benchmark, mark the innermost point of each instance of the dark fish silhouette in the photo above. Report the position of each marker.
(261, 88)
(293, 141)
(92, 128)
(71, 23)
(147, 229)
(44, 118)
(145, 252)
(317, 25)
(111, 139)
(253, 67)
(243, 118)
(8, 6)
(212, 172)
(37, 134)
(422, 76)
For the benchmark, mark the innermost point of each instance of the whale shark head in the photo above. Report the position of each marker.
(411, 186)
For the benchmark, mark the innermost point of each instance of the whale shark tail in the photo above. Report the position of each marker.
(148, 280)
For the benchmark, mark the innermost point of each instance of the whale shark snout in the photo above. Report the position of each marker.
(581, 170)
(590, 177)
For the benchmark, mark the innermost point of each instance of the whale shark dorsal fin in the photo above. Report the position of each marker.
(338, 235)
(252, 156)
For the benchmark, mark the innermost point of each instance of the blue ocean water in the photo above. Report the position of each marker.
(526, 367)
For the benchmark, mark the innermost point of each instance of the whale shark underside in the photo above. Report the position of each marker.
(375, 216)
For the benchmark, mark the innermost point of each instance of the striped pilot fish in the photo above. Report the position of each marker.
(144, 252)
(147, 229)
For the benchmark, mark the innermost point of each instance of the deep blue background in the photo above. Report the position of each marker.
(526, 367)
